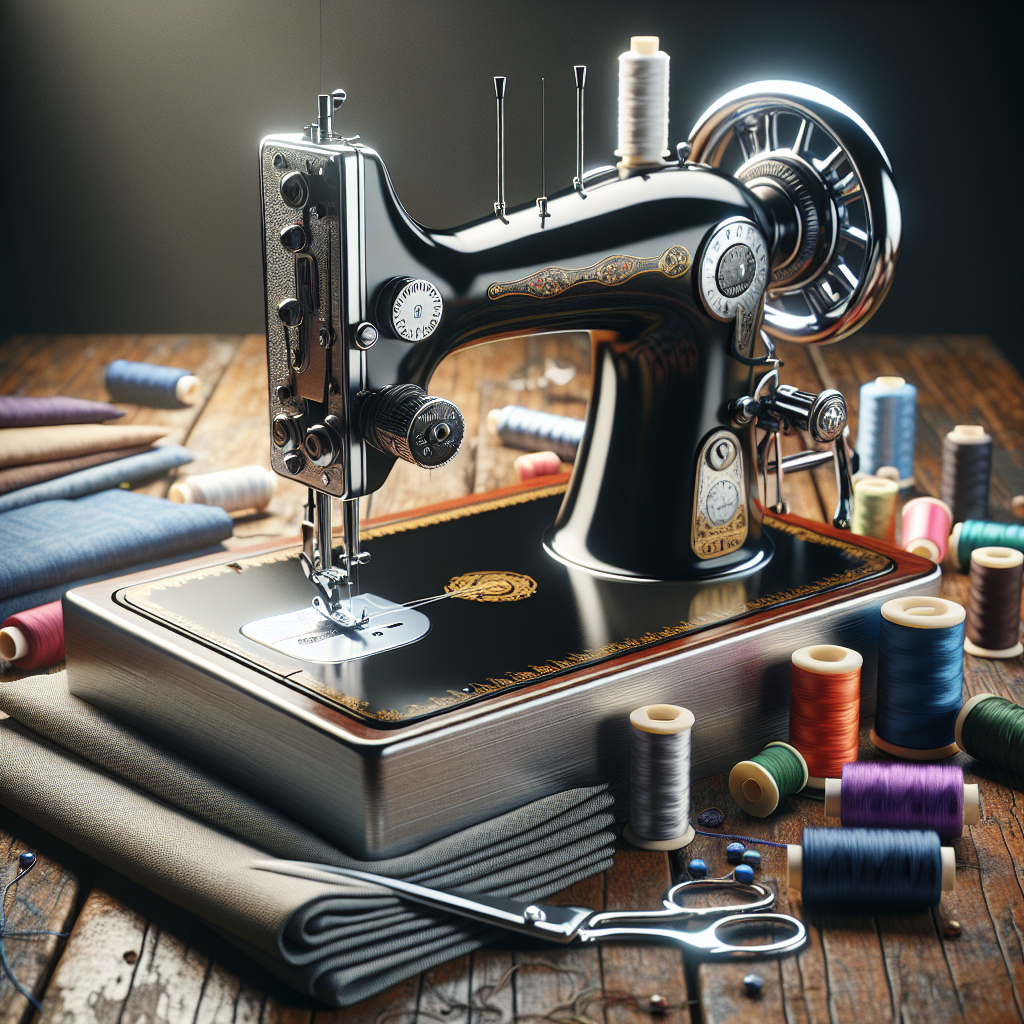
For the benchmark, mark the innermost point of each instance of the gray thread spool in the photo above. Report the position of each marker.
(643, 104)
(659, 790)
(531, 430)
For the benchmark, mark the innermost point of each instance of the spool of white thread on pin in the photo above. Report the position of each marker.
(643, 104)
(234, 490)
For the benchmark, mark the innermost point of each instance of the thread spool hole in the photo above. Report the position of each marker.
(752, 791)
(921, 550)
(826, 652)
(663, 712)
(923, 609)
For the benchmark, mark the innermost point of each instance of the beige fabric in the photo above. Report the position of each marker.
(22, 446)
(15, 477)
(200, 842)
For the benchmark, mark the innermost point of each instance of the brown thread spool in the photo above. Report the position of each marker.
(824, 710)
(993, 607)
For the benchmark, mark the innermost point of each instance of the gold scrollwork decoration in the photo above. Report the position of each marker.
(611, 271)
(491, 586)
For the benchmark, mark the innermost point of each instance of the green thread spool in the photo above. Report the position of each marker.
(991, 729)
(874, 508)
(759, 784)
(974, 533)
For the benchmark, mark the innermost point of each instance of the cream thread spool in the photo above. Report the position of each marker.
(926, 528)
(659, 788)
(874, 508)
(234, 490)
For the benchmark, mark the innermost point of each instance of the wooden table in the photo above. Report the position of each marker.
(132, 958)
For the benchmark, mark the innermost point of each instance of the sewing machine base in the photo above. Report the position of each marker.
(521, 687)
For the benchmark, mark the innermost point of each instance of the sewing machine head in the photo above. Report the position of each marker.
(778, 219)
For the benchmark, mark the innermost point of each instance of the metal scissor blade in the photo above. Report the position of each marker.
(556, 924)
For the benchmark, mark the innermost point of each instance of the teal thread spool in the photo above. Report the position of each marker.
(758, 785)
(991, 729)
(974, 533)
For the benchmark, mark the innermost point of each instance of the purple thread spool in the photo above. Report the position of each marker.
(878, 794)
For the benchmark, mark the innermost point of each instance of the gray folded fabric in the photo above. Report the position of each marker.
(205, 845)
(135, 469)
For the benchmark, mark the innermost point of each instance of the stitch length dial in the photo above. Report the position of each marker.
(733, 269)
(416, 310)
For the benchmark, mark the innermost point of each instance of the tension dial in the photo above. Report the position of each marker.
(733, 268)
(416, 308)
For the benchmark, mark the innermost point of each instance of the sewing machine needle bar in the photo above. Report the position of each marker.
(499, 95)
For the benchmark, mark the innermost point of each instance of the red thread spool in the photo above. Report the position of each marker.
(537, 464)
(34, 638)
(824, 710)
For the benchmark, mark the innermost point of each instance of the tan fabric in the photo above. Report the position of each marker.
(15, 477)
(200, 842)
(22, 446)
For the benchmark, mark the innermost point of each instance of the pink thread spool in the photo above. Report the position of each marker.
(537, 464)
(926, 527)
(34, 638)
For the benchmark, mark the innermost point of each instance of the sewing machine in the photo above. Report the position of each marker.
(430, 672)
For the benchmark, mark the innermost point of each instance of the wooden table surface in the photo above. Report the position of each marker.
(131, 957)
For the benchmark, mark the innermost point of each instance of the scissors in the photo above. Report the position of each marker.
(570, 925)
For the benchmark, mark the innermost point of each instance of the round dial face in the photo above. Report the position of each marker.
(733, 269)
(416, 311)
(722, 501)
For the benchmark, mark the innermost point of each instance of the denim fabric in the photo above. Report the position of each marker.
(55, 542)
(132, 470)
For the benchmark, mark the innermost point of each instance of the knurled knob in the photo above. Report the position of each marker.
(404, 421)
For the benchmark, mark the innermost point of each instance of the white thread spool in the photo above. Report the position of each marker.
(659, 790)
(643, 104)
(234, 490)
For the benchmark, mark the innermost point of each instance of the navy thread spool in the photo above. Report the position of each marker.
(966, 472)
(887, 425)
(856, 868)
(532, 430)
(889, 794)
(993, 606)
(975, 533)
(659, 783)
(920, 677)
(158, 387)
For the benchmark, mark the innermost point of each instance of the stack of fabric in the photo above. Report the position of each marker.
(216, 851)
(64, 517)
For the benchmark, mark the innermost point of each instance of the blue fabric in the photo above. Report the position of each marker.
(132, 470)
(56, 542)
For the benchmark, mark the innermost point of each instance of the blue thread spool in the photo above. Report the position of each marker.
(920, 677)
(887, 425)
(858, 868)
(159, 387)
(532, 430)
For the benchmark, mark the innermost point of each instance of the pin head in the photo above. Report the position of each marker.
(26, 860)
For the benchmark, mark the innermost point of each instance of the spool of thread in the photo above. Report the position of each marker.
(920, 677)
(758, 785)
(991, 729)
(926, 526)
(532, 431)
(886, 794)
(888, 420)
(234, 490)
(977, 534)
(1017, 505)
(824, 709)
(159, 387)
(888, 473)
(874, 508)
(659, 788)
(993, 605)
(966, 472)
(34, 638)
(643, 104)
(856, 868)
(537, 464)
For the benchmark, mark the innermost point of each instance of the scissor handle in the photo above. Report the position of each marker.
(708, 943)
(676, 911)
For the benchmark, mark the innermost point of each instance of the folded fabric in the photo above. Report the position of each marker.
(38, 473)
(207, 846)
(55, 542)
(135, 469)
(21, 446)
(26, 411)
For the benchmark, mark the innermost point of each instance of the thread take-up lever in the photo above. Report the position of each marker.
(581, 79)
(499, 96)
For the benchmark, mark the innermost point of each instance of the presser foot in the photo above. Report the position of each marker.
(339, 616)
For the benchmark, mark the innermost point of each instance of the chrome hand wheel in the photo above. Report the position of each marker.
(828, 187)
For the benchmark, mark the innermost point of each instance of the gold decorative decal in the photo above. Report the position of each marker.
(491, 586)
(611, 271)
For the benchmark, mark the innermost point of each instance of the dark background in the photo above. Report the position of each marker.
(131, 131)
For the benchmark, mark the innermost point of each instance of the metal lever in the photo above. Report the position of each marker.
(326, 105)
(499, 95)
(542, 199)
(581, 78)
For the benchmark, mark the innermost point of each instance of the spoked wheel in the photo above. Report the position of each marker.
(828, 184)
